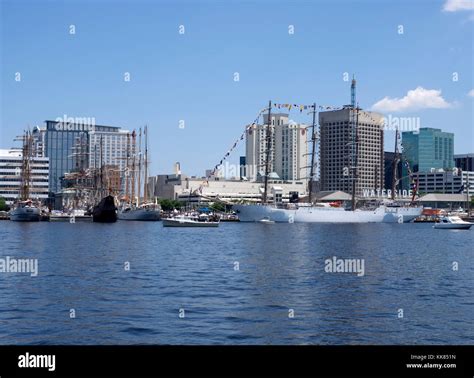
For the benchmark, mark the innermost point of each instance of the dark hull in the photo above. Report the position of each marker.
(105, 211)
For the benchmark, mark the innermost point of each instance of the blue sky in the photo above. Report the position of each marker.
(190, 76)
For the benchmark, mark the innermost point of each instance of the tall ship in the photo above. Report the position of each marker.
(25, 209)
(131, 208)
(388, 211)
(106, 210)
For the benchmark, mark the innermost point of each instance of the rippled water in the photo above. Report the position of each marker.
(81, 267)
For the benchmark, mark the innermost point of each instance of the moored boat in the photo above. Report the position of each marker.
(189, 221)
(71, 217)
(305, 213)
(453, 223)
(144, 212)
(25, 211)
(105, 211)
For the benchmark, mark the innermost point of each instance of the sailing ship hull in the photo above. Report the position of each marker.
(140, 215)
(311, 214)
(25, 214)
(105, 211)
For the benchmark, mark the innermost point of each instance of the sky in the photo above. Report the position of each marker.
(410, 59)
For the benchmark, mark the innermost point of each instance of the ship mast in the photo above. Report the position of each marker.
(268, 137)
(145, 183)
(467, 187)
(355, 142)
(127, 170)
(396, 159)
(313, 151)
(139, 164)
(26, 167)
(356, 152)
(133, 173)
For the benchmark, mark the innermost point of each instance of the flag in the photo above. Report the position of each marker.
(461, 189)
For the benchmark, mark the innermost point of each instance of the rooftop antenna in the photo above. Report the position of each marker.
(353, 92)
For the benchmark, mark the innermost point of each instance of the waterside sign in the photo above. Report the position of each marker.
(386, 193)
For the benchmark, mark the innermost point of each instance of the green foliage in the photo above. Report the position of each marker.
(170, 205)
(3, 205)
(217, 206)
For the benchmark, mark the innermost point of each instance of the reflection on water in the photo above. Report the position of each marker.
(280, 273)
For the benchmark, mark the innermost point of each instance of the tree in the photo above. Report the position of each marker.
(170, 205)
(217, 206)
(3, 205)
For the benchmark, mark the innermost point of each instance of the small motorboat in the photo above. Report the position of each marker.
(266, 220)
(453, 223)
(189, 221)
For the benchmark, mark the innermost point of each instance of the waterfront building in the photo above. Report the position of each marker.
(444, 181)
(202, 189)
(444, 201)
(10, 178)
(58, 140)
(464, 161)
(337, 150)
(288, 158)
(110, 148)
(428, 149)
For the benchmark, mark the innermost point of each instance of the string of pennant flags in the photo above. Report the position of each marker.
(300, 107)
(229, 151)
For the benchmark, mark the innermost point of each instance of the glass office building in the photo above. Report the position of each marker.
(59, 139)
(427, 150)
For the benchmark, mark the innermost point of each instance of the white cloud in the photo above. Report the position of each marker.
(415, 99)
(458, 5)
(471, 93)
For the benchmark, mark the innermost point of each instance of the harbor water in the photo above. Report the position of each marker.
(240, 283)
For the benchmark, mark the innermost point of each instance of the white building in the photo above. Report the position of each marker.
(115, 146)
(199, 189)
(10, 176)
(288, 154)
(446, 182)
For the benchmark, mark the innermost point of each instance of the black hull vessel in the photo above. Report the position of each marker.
(105, 211)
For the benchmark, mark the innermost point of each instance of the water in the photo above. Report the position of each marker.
(82, 267)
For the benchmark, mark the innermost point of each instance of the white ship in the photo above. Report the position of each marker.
(144, 212)
(136, 211)
(323, 213)
(25, 211)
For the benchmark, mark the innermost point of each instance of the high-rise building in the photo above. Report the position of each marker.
(58, 141)
(339, 153)
(10, 176)
(110, 148)
(464, 161)
(426, 150)
(288, 152)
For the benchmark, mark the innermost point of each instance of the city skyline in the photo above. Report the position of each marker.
(409, 59)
